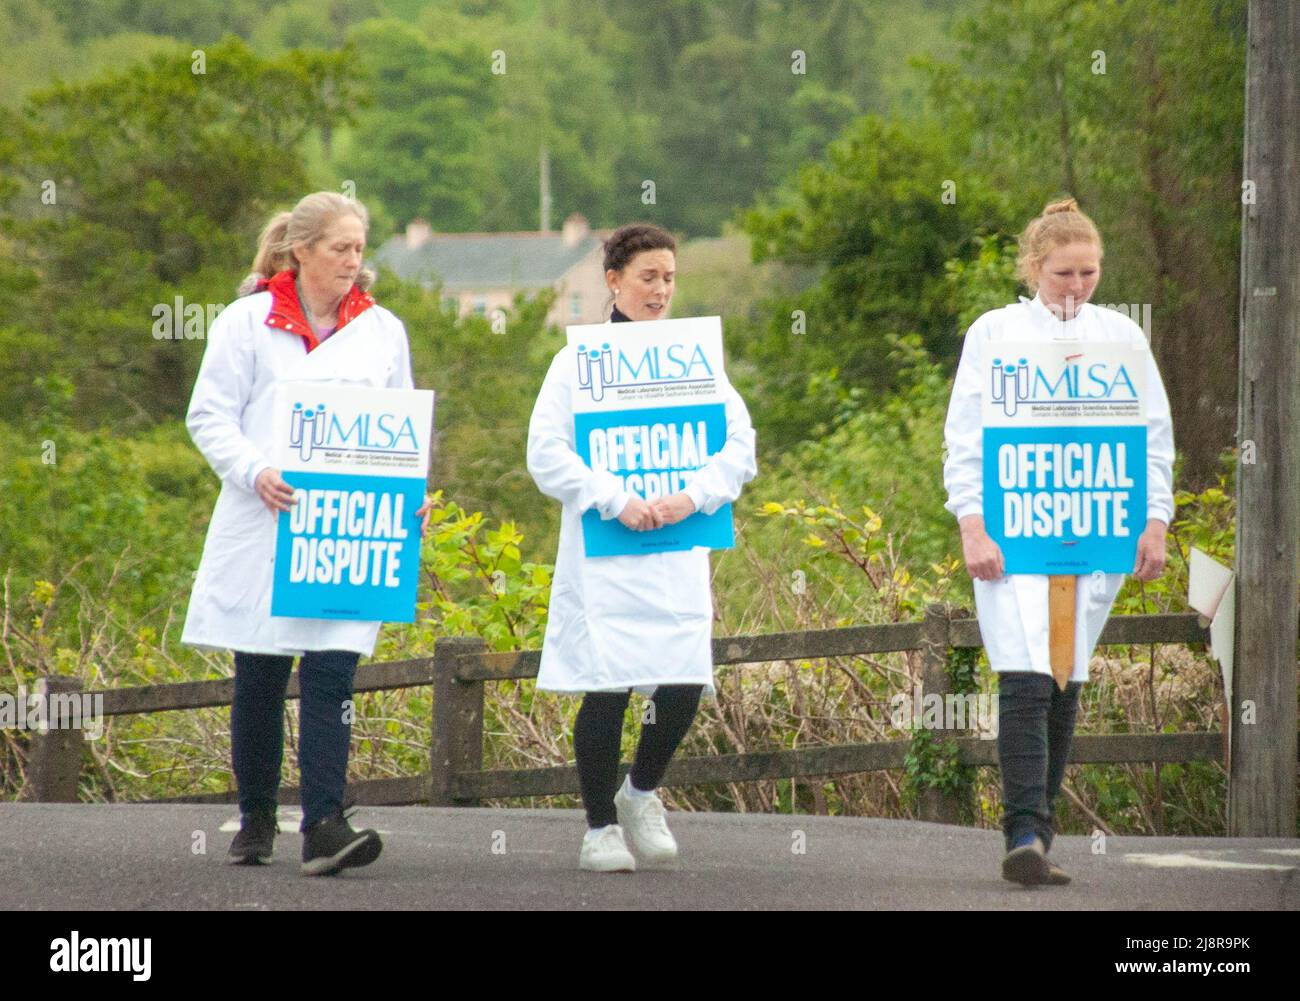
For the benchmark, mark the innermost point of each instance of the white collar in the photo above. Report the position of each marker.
(1064, 329)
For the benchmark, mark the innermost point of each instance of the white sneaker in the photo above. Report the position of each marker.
(643, 817)
(603, 850)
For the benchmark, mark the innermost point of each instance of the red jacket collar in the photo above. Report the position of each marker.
(286, 312)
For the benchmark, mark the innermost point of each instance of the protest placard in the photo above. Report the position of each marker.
(1065, 458)
(649, 408)
(358, 460)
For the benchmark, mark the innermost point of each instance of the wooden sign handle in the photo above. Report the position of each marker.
(1060, 626)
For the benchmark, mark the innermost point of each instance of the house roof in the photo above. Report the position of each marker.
(487, 260)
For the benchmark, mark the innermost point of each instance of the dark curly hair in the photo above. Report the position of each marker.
(628, 241)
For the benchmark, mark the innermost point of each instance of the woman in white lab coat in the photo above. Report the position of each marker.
(1060, 261)
(622, 622)
(304, 315)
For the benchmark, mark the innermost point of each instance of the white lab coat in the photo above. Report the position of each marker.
(230, 421)
(620, 622)
(1013, 610)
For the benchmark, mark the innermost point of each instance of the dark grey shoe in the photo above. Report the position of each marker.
(1027, 865)
(331, 845)
(255, 842)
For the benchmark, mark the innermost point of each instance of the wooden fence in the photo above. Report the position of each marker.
(460, 669)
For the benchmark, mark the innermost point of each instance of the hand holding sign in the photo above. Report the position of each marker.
(640, 516)
(275, 493)
(423, 513)
(982, 555)
(1151, 551)
(674, 508)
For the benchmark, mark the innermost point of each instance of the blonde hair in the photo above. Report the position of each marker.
(1060, 223)
(305, 224)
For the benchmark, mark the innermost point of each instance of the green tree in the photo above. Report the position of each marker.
(419, 147)
(141, 185)
(741, 94)
(1136, 110)
(200, 22)
(553, 96)
(878, 219)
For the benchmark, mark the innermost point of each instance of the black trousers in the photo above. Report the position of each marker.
(325, 679)
(1035, 728)
(598, 736)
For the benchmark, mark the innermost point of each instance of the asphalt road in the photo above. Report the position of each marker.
(138, 857)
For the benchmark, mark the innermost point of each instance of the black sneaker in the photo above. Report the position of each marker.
(331, 844)
(255, 841)
(1027, 864)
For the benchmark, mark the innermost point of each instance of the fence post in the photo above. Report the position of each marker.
(457, 721)
(54, 754)
(935, 805)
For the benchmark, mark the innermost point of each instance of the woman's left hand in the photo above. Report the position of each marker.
(674, 508)
(1151, 551)
(423, 513)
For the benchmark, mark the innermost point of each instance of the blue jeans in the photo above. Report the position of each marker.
(1035, 728)
(257, 729)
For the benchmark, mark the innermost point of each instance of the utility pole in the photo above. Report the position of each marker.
(544, 169)
(1262, 705)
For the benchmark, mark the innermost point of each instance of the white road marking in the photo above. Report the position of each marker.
(1184, 861)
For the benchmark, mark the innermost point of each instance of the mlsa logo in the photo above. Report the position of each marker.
(600, 368)
(1010, 385)
(595, 370)
(1018, 382)
(310, 429)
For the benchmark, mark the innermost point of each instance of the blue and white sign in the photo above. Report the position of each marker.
(648, 408)
(1065, 463)
(358, 460)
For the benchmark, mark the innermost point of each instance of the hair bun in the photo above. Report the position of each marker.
(1062, 222)
(1064, 205)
